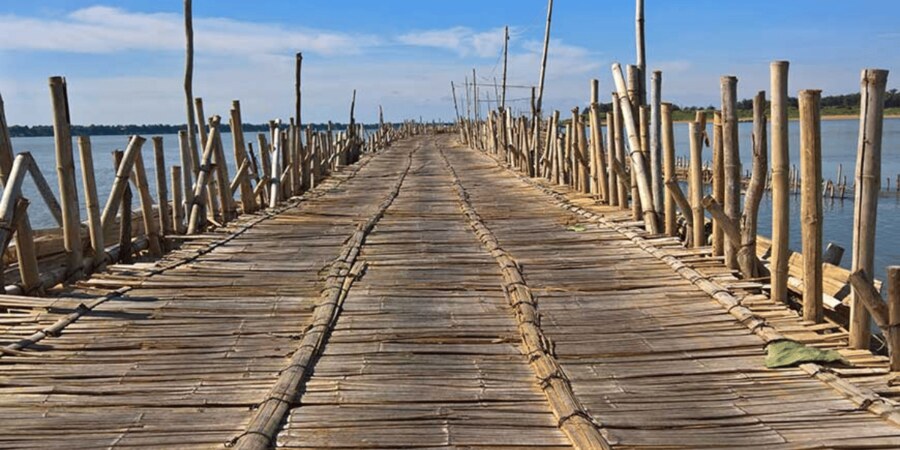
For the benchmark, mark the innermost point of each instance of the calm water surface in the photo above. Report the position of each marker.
(839, 142)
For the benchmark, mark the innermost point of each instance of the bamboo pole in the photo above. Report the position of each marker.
(187, 174)
(718, 183)
(811, 203)
(92, 204)
(26, 254)
(893, 325)
(747, 259)
(162, 192)
(248, 203)
(65, 170)
(612, 186)
(275, 186)
(44, 190)
(125, 248)
(599, 180)
(540, 97)
(868, 180)
(696, 185)
(142, 185)
(189, 92)
(177, 212)
(12, 192)
(685, 207)
(668, 149)
(655, 149)
(194, 221)
(780, 182)
(641, 51)
(731, 160)
(505, 61)
(643, 181)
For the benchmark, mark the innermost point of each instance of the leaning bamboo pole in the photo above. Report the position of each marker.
(194, 221)
(780, 182)
(747, 259)
(640, 172)
(26, 254)
(868, 184)
(811, 203)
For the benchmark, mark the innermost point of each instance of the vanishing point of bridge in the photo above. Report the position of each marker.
(426, 297)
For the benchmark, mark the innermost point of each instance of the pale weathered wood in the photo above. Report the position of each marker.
(868, 184)
(780, 181)
(12, 192)
(177, 211)
(65, 172)
(248, 202)
(668, 149)
(151, 226)
(200, 197)
(811, 203)
(893, 323)
(26, 254)
(92, 203)
(640, 172)
(731, 160)
(44, 189)
(655, 149)
(162, 190)
(696, 185)
(718, 183)
(747, 259)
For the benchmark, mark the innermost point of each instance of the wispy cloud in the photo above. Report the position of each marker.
(103, 29)
(463, 41)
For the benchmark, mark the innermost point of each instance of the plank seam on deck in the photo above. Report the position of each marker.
(572, 418)
(245, 223)
(342, 271)
(864, 398)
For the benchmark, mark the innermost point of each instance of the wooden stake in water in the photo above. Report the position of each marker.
(732, 161)
(696, 184)
(747, 259)
(781, 188)
(65, 170)
(811, 203)
(865, 207)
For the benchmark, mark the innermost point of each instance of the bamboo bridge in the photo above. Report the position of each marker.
(429, 296)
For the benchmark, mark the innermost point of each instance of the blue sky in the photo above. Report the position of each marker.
(124, 59)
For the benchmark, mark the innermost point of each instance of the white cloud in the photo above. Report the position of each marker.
(103, 29)
(462, 40)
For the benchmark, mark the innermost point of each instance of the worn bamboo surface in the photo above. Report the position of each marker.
(652, 356)
(660, 346)
(180, 358)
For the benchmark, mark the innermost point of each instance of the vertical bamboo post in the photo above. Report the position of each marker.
(696, 185)
(177, 212)
(162, 192)
(620, 150)
(865, 207)
(893, 301)
(612, 182)
(811, 203)
(718, 184)
(641, 50)
(656, 181)
(150, 224)
(187, 174)
(92, 204)
(248, 203)
(65, 170)
(731, 161)
(780, 181)
(599, 182)
(668, 149)
(25, 250)
(190, 169)
(540, 97)
(747, 259)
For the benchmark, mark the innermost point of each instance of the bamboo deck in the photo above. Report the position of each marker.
(455, 304)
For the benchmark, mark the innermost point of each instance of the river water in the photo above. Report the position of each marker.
(839, 142)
